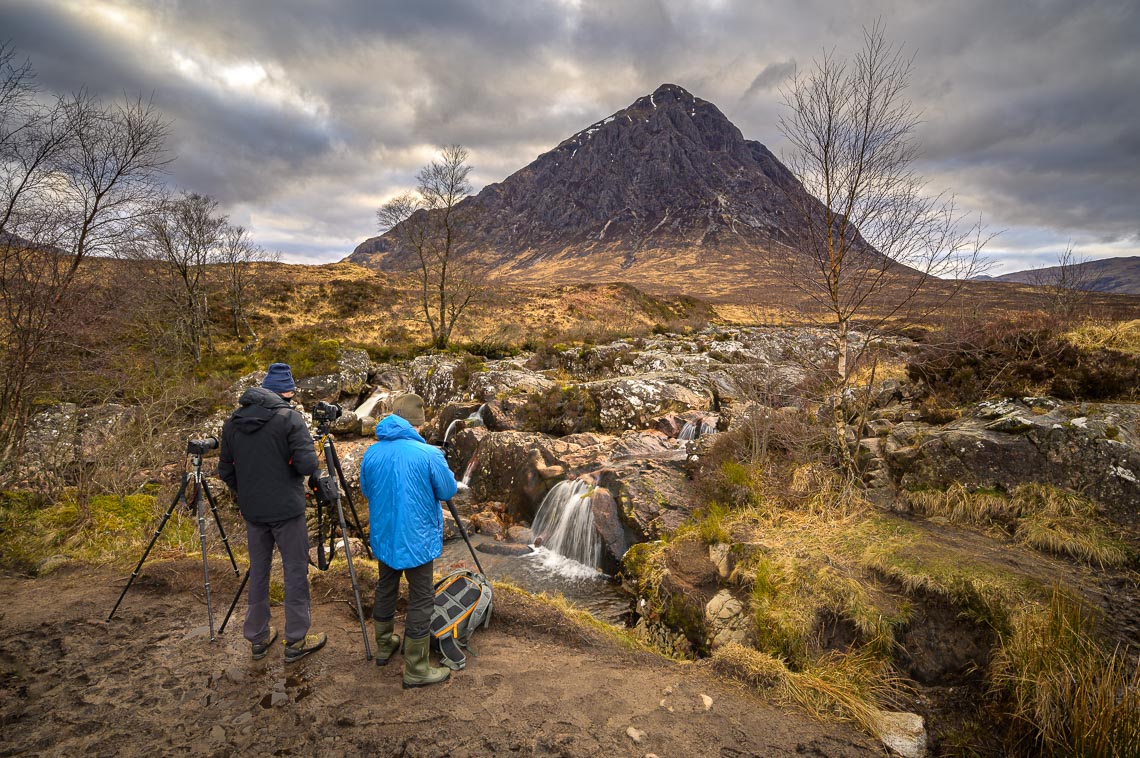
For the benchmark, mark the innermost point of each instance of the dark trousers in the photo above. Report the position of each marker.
(421, 597)
(292, 540)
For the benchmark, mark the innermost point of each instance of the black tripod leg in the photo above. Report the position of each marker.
(462, 531)
(355, 586)
(233, 605)
(218, 521)
(205, 559)
(154, 539)
(348, 497)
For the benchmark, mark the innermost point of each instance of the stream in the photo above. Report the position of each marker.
(544, 571)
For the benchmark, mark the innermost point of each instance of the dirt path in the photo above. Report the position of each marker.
(150, 682)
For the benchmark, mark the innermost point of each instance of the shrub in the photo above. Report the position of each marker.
(560, 411)
(1013, 359)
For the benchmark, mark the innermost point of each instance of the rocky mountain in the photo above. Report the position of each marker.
(1115, 275)
(659, 189)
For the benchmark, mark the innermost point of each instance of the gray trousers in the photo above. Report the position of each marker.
(421, 597)
(292, 540)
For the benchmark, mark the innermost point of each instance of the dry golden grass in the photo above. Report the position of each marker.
(1123, 336)
(1044, 517)
(1068, 695)
(835, 687)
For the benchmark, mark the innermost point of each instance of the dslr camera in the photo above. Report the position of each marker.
(202, 446)
(326, 412)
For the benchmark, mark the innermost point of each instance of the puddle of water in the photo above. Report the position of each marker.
(543, 571)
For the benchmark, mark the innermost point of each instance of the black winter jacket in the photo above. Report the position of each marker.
(265, 456)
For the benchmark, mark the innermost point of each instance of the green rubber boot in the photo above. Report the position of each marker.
(386, 643)
(418, 671)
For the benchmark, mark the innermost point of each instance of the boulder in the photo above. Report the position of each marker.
(608, 525)
(904, 733)
(1093, 449)
(497, 383)
(99, 426)
(632, 403)
(50, 441)
(433, 379)
(727, 620)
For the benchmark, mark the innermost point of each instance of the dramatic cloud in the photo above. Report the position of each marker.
(302, 117)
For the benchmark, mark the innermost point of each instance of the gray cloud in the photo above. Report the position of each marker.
(301, 117)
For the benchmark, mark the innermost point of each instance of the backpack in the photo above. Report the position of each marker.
(462, 602)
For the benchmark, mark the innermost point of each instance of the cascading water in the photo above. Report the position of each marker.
(467, 472)
(688, 431)
(570, 544)
(477, 418)
(450, 429)
(708, 425)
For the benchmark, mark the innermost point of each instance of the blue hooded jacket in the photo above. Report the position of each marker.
(404, 478)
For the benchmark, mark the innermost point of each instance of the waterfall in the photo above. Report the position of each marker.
(565, 524)
(698, 427)
(450, 427)
(477, 418)
(467, 472)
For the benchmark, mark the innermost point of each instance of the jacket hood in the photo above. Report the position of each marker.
(396, 428)
(263, 397)
(257, 406)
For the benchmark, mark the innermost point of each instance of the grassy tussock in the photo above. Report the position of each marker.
(1067, 695)
(852, 688)
(1122, 336)
(1046, 518)
(564, 617)
(109, 530)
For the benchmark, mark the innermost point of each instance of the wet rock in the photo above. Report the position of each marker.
(450, 529)
(607, 523)
(520, 534)
(504, 548)
(487, 523)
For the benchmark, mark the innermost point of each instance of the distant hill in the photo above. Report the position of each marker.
(1114, 275)
(665, 193)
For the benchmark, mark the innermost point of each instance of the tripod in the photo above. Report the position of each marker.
(195, 449)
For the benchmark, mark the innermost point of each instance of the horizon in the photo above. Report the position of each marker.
(302, 122)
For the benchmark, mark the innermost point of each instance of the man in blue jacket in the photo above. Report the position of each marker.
(265, 455)
(404, 478)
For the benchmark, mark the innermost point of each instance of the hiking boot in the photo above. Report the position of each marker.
(418, 671)
(386, 643)
(261, 649)
(295, 651)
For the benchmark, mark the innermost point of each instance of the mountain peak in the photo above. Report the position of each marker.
(667, 173)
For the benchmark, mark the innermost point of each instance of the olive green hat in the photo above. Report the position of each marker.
(411, 408)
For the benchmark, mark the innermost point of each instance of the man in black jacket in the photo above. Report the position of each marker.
(265, 456)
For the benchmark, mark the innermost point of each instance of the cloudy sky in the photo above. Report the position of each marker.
(301, 117)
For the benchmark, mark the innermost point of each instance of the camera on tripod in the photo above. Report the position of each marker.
(326, 412)
(200, 447)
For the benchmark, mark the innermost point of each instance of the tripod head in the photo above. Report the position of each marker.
(197, 448)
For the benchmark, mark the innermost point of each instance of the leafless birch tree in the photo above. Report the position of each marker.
(433, 222)
(872, 238)
(77, 177)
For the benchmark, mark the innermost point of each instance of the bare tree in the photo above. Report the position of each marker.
(1066, 285)
(237, 254)
(183, 238)
(872, 238)
(76, 179)
(434, 223)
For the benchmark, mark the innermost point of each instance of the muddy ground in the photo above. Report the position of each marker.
(151, 682)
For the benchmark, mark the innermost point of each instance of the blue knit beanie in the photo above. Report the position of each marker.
(279, 379)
